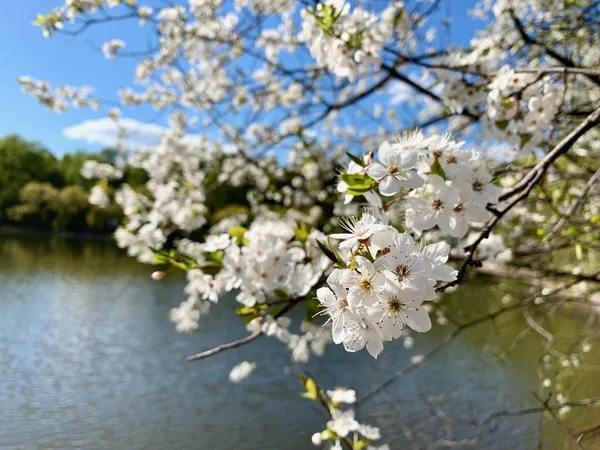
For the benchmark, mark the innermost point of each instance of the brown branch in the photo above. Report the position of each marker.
(562, 147)
(560, 70)
(223, 347)
(243, 341)
(556, 419)
(523, 189)
(578, 202)
(548, 50)
(519, 271)
(457, 332)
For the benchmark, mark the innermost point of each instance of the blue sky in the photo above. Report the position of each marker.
(59, 60)
(78, 61)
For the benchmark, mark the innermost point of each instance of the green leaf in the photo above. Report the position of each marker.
(160, 259)
(502, 124)
(356, 159)
(327, 251)
(525, 138)
(311, 389)
(312, 307)
(361, 444)
(338, 258)
(247, 312)
(353, 192)
(215, 257)
(358, 182)
(579, 251)
(281, 294)
(437, 169)
(277, 308)
(302, 232)
(238, 232)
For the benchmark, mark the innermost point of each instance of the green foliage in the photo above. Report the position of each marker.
(358, 184)
(302, 232)
(437, 169)
(43, 205)
(356, 159)
(23, 161)
(310, 386)
(38, 190)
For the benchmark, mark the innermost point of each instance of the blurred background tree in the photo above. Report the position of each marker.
(42, 192)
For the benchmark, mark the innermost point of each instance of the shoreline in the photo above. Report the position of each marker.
(10, 230)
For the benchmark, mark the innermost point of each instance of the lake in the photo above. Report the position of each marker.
(89, 359)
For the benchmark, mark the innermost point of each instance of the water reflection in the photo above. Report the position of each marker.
(88, 359)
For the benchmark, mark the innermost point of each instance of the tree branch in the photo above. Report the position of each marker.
(548, 50)
(457, 332)
(523, 188)
(243, 341)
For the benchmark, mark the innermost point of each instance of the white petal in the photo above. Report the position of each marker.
(373, 199)
(374, 346)
(413, 180)
(325, 296)
(389, 186)
(408, 158)
(348, 244)
(418, 319)
(437, 252)
(444, 273)
(338, 330)
(376, 171)
(342, 236)
(385, 152)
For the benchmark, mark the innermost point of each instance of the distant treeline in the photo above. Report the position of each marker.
(40, 191)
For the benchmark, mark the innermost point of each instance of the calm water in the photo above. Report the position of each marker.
(89, 359)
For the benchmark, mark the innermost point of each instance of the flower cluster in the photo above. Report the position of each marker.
(313, 338)
(382, 287)
(342, 423)
(440, 183)
(521, 107)
(58, 99)
(111, 48)
(348, 43)
(100, 171)
(262, 263)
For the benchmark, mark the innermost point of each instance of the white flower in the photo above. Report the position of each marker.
(302, 279)
(359, 230)
(437, 254)
(476, 187)
(217, 242)
(405, 266)
(371, 433)
(433, 206)
(395, 310)
(394, 171)
(202, 284)
(111, 48)
(99, 197)
(363, 284)
(362, 332)
(316, 439)
(241, 371)
(342, 422)
(341, 395)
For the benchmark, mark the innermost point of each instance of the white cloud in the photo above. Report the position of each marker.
(400, 93)
(104, 131)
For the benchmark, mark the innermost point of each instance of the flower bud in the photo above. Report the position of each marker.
(158, 275)
(317, 439)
